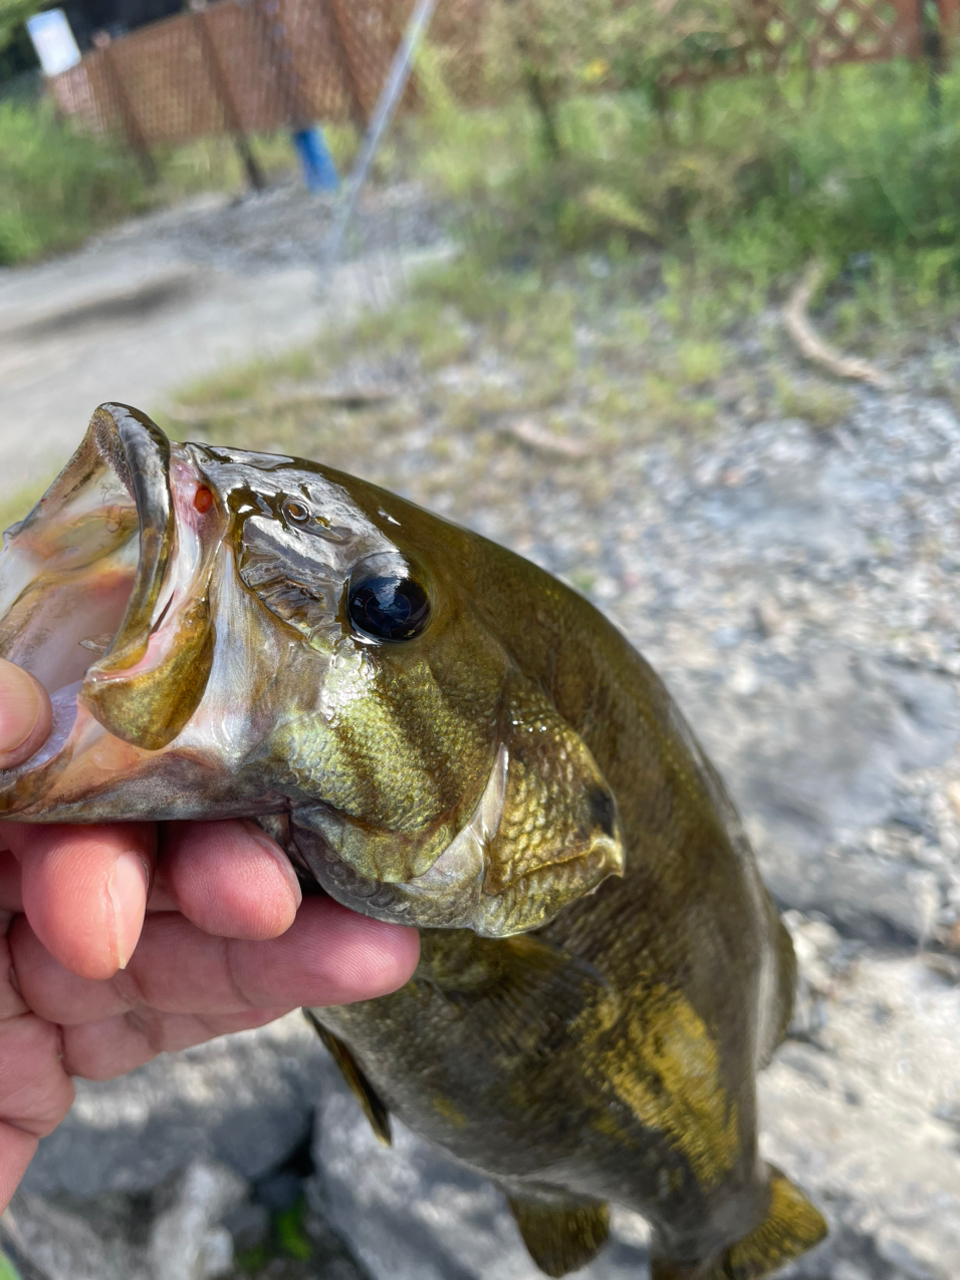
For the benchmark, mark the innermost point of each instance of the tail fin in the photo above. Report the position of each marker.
(791, 1227)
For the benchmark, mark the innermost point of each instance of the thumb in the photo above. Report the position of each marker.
(25, 714)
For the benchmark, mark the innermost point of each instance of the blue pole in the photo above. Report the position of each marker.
(316, 162)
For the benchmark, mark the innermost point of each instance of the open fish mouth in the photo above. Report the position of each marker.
(104, 598)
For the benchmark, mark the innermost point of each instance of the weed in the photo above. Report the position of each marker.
(699, 363)
(582, 580)
(741, 181)
(823, 404)
(57, 185)
(291, 1234)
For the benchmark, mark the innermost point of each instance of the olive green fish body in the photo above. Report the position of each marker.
(441, 735)
(611, 1054)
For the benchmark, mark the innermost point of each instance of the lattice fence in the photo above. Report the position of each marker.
(244, 66)
(813, 33)
(240, 65)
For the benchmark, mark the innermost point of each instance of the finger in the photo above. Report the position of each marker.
(11, 899)
(229, 878)
(102, 1050)
(12, 1003)
(35, 1094)
(85, 890)
(25, 714)
(329, 956)
(35, 1091)
(18, 1148)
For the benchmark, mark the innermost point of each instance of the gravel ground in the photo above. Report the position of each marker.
(796, 586)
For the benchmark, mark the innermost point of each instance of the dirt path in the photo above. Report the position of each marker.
(167, 299)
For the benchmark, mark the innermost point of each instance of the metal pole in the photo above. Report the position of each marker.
(386, 107)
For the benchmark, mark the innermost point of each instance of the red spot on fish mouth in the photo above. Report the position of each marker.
(203, 498)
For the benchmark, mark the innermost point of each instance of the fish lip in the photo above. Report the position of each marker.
(139, 453)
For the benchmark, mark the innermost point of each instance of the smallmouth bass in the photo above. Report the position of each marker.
(441, 735)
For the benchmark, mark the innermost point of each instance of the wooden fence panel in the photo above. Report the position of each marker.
(269, 63)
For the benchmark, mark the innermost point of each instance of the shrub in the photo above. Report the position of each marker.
(57, 185)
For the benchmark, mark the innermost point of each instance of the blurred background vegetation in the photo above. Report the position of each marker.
(738, 182)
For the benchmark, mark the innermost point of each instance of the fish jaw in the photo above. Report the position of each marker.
(104, 599)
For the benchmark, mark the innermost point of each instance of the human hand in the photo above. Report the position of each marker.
(110, 954)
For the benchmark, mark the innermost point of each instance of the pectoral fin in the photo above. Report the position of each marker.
(373, 1105)
(561, 1238)
(516, 993)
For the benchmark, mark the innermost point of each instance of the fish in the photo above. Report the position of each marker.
(439, 734)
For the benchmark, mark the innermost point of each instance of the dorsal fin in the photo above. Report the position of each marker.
(561, 1238)
(373, 1105)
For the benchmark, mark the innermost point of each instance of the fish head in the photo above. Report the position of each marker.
(229, 633)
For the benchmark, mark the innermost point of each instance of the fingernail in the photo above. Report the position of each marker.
(128, 897)
(257, 833)
(22, 703)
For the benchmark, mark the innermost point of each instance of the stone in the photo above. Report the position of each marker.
(245, 1101)
(818, 763)
(50, 1243)
(187, 1241)
(216, 1254)
(857, 1119)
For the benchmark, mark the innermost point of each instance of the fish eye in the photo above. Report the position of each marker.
(296, 512)
(385, 603)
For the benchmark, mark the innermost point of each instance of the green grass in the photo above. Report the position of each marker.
(738, 182)
(288, 1239)
(57, 186)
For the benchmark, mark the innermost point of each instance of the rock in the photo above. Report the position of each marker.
(49, 1243)
(817, 765)
(187, 1241)
(857, 1122)
(216, 1254)
(248, 1224)
(817, 945)
(244, 1101)
(868, 897)
(409, 1212)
